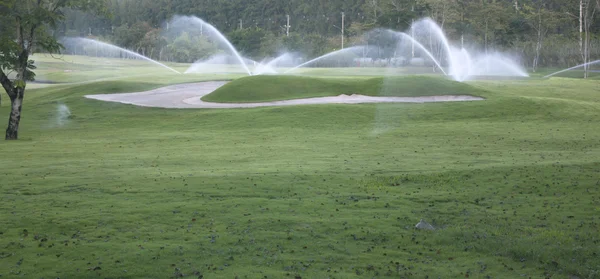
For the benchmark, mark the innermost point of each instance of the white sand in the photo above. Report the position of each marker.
(189, 96)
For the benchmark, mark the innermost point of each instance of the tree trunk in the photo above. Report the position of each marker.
(585, 40)
(586, 56)
(538, 46)
(16, 101)
(536, 58)
(581, 32)
(6, 83)
(486, 37)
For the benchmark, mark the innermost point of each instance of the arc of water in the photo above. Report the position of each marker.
(323, 57)
(419, 45)
(267, 67)
(469, 63)
(222, 37)
(280, 58)
(102, 44)
(510, 66)
(572, 68)
(440, 34)
(458, 69)
(271, 65)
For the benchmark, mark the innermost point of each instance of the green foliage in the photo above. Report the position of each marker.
(132, 36)
(315, 24)
(186, 48)
(25, 25)
(25, 29)
(312, 45)
(270, 45)
(248, 41)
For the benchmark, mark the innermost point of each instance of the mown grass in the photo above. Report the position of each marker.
(274, 88)
(578, 73)
(78, 69)
(305, 192)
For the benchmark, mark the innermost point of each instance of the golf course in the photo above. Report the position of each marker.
(98, 189)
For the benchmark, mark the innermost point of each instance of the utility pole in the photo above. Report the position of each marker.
(287, 26)
(343, 18)
(581, 37)
(412, 32)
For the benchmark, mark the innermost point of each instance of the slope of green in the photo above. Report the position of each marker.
(275, 88)
(118, 191)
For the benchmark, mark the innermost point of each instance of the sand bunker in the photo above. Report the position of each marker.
(189, 96)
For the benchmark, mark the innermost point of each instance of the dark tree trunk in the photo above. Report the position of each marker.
(16, 101)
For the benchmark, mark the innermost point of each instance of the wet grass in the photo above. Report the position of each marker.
(275, 88)
(511, 183)
(578, 73)
(61, 69)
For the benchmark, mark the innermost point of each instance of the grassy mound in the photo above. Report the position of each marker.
(276, 88)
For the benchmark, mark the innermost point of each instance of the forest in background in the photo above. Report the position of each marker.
(542, 33)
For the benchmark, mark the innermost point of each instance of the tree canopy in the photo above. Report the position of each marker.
(258, 27)
(27, 26)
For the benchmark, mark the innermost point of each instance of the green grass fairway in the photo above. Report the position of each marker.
(275, 88)
(325, 191)
(59, 69)
(594, 73)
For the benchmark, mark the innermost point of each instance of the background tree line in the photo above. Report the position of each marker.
(544, 33)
